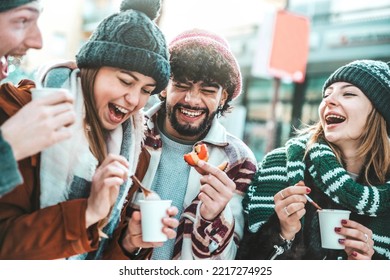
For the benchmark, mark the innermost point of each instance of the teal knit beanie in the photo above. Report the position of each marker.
(130, 40)
(372, 77)
(6, 5)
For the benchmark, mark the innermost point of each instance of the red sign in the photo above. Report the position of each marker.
(284, 47)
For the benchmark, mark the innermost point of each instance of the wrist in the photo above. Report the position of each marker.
(286, 243)
(205, 216)
(4, 135)
(133, 252)
(281, 247)
(128, 246)
(288, 240)
(286, 236)
(90, 218)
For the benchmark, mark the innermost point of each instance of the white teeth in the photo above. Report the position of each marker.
(335, 117)
(122, 110)
(190, 113)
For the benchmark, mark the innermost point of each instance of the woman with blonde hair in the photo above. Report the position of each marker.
(342, 162)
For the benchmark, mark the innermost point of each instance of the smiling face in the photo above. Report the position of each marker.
(19, 32)
(191, 107)
(343, 114)
(119, 94)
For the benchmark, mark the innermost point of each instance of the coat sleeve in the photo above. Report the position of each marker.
(219, 239)
(27, 232)
(10, 176)
(261, 245)
(12, 98)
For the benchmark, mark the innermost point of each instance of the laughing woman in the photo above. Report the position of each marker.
(342, 162)
(84, 181)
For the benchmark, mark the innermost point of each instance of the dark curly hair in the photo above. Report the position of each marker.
(196, 63)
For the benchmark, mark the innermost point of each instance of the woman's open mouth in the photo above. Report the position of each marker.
(117, 113)
(334, 119)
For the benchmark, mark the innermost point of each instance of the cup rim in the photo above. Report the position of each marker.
(334, 211)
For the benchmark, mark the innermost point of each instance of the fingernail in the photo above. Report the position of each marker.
(344, 222)
(308, 190)
(354, 254)
(200, 163)
(341, 241)
(337, 229)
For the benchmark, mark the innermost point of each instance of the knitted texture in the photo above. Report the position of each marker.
(79, 164)
(6, 5)
(130, 40)
(197, 238)
(171, 159)
(285, 166)
(9, 172)
(204, 51)
(372, 78)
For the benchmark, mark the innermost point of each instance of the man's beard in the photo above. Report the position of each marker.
(188, 129)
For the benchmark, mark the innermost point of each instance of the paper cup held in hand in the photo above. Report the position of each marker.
(329, 220)
(38, 93)
(152, 213)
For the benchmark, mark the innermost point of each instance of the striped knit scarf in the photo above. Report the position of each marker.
(286, 166)
(332, 178)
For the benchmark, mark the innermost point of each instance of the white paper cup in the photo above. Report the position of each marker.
(38, 93)
(152, 213)
(329, 219)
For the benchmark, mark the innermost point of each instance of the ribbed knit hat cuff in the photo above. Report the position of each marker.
(207, 41)
(99, 53)
(358, 77)
(6, 5)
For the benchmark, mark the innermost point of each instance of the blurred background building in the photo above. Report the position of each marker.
(340, 31)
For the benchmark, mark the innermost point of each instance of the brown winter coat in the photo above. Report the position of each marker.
(26, 231)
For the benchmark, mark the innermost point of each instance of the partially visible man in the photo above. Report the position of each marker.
(30, 126)
(19, 30)
(205, 79)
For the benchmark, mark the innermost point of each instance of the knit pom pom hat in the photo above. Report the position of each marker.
(208, 57)
(130, 40)
(372, 77)
(6, 5)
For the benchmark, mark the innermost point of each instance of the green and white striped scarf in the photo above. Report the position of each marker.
(286, 166)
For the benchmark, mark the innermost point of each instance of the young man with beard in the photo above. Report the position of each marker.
(205, 78)
(38, 124)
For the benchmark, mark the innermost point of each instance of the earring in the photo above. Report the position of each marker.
(220, 107)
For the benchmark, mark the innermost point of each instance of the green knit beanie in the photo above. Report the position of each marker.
(372, 77)
(130, 40)
(6, 5)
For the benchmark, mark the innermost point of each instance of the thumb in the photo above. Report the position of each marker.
(136, 217)
(134, 226)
